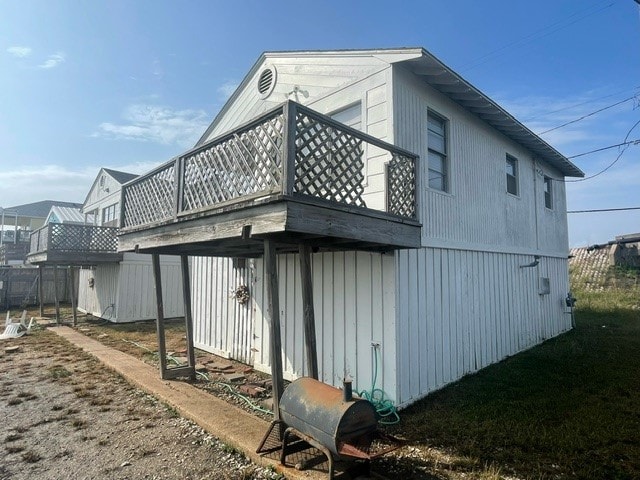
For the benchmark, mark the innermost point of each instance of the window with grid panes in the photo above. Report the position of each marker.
(512, 175)
(110, 216)
(437, 145)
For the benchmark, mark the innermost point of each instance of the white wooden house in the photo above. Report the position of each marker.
(122, 290)
(490, 278)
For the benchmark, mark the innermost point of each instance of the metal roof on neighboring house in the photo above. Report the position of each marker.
(68, 215)
(38, 209)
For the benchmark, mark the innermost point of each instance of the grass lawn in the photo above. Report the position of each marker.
(569, 408)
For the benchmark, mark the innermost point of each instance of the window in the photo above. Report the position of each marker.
(437, 143)
(548, 192)
(109, 216)
(512, 175)
(350, 116)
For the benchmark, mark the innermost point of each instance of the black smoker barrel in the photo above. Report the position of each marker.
(320, 411)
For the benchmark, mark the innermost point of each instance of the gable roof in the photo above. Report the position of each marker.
(120, 177)
(440, 77)
(38, 209)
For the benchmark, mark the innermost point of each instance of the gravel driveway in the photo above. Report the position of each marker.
(64, 415)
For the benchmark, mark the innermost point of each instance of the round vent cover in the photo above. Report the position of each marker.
(267, 81)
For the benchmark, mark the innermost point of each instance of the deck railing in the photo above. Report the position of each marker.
(291, 151)
(59, 237)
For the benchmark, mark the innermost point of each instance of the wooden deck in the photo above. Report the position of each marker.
(293, 176)
(75, 245)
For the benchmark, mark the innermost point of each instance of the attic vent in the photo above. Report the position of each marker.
(267, 81)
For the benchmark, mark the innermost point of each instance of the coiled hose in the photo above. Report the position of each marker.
(384, 406)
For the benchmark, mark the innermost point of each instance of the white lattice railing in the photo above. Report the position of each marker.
(292, 151)
(58, 237)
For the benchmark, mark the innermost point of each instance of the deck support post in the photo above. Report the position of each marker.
(273, 310)
(162, 349)
(41, 288)
(188, 319)
(308, 311)
(55, 293)
(72, 293)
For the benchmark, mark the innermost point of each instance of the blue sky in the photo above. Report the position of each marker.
(129, 84)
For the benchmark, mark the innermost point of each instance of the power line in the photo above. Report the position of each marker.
(604, 210)
(580, 104)
(540, 33)
(605, 148)
(589, 115)
(625, 142)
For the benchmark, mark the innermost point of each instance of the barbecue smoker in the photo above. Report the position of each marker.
(333, 421)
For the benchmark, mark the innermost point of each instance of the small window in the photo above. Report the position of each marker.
(437, 146)
(548, 192)
(512, 175)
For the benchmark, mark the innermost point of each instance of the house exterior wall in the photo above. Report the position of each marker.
(312, 77)
(463, 299)
(100, 299)
(222, 325)
(104, 193)
(124, 292)
(354, 307)
(459, 303)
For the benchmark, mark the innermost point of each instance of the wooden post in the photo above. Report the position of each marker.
(188, 319)
(308, 312)
(162, 349)
(41, 288)
(273, 310)
(72, 293)
(55, 293)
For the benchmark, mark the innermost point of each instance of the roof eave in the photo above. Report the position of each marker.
(442, 78)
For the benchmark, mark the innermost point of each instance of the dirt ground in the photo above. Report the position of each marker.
(64, 415)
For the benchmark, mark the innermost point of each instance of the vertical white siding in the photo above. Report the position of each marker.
(221, 325)
(477, 211)
(101, 299)
(125, 292)
(136, 291)
(354, 307)
(460, 310)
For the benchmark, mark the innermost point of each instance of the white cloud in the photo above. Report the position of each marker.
(226, 89)
(53, 60)
(19, 51)
(154, 123)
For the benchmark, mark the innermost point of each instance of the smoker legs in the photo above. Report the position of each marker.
(285, 441)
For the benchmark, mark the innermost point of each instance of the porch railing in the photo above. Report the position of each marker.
(59, 237)
(291, 150)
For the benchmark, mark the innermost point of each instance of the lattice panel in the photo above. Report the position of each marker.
(245, 164)
(401, 186)
(81, 238)
(36, 242)
(329, 163)
(150, 199)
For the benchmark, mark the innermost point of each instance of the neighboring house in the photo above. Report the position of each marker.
(489, 276)
(67, 216)
(16, 225)
(114, 286)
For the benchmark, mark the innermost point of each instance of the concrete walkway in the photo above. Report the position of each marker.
(227, 422)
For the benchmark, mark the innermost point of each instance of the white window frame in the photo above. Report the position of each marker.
(443, 155)
(113, 208)
(511, 160)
